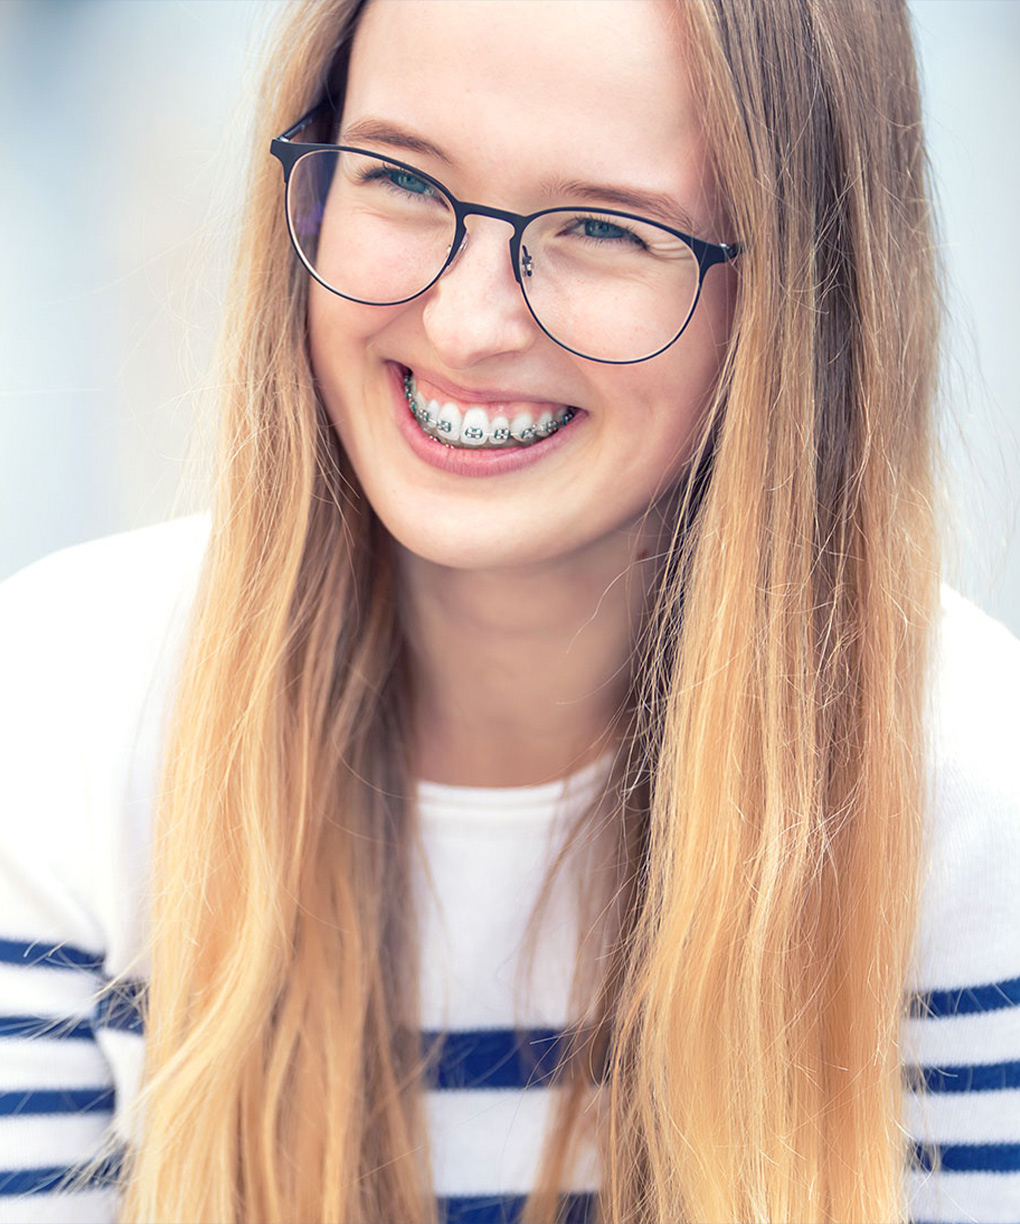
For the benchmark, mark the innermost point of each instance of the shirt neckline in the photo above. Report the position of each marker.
(435, 798)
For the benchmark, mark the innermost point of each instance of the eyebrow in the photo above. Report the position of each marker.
(654, 204)
(380, 132)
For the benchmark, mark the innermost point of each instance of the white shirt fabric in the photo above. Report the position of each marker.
(90, 639)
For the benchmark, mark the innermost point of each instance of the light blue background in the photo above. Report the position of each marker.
(123, 133)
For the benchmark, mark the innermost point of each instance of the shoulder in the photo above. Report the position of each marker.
(86, 612)
(977, 691)
(971, 899)
(963, 1046)
(89, 641)
(85, 628)
(107, 579)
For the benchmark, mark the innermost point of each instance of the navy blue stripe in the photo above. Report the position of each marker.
(967, 1077)
(45, 1181)
(48, 956)
(121, 1009)
(56, 1101)
(46, 1026)
(967, 1000)
(506, 1209)
(970, 1157)
(494, 1058)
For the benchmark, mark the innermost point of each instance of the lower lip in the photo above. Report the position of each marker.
(460, 461)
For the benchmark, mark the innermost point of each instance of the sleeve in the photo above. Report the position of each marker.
(85, 636)
(961, 1045)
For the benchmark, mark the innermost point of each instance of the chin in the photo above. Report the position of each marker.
(468, 552)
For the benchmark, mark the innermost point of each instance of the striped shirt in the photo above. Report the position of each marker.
(88, 642)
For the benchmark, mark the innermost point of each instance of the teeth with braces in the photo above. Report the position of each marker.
(472, 429)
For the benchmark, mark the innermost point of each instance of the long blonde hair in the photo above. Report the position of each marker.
(775, 791)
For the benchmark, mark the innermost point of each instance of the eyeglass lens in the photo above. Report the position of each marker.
(608, 287)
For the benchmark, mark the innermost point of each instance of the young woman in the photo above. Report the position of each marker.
(548, 787)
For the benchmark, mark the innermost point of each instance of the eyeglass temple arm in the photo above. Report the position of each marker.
(711, 253)
(305, 121)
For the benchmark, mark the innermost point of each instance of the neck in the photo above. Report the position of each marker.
(523, 676)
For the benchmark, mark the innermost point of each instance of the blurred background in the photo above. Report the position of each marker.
(123, 138)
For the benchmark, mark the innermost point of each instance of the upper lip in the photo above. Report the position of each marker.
(478, 395)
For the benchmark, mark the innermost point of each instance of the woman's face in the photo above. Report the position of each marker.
(520, 105)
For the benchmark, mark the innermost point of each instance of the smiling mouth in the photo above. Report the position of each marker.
(475, 427)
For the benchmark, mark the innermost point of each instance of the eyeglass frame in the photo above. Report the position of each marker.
(289, 152)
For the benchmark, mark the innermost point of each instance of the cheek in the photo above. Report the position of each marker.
(702, 348)
(670, 394)
(721, 304)
(336, 325)
(341, 336)
(336, 328)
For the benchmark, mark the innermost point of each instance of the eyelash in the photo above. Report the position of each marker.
(387, 176)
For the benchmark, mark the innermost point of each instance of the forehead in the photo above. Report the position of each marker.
(506, 87)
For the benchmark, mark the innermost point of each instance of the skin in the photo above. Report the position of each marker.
(522, 591)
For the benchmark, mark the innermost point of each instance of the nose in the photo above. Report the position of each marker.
(476, 310)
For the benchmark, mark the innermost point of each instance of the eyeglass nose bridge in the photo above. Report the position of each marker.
(516, 221)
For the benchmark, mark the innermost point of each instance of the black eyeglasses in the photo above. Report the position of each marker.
(606, 285)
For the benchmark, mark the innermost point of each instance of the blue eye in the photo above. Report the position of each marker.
(604, 232)
(398, 181)
(595, 227)
(407, 181)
